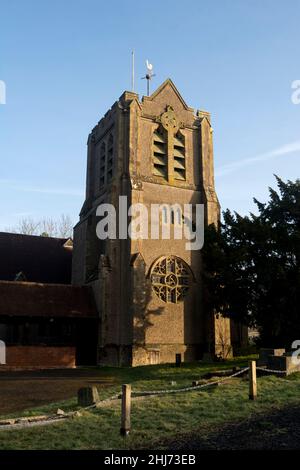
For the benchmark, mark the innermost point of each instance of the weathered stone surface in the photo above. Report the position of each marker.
(141, 322)
(87, 396)
(264, 354)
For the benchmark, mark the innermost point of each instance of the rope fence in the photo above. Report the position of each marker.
(271, 371)
(188, 389)
(141, 393)
(127, 393)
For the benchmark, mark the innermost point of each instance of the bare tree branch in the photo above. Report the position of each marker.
(26, 226)
(46, 227)
(65, 226)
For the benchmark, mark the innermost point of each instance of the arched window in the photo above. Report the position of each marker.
(165, 215)
(172, 217)
(178, 216)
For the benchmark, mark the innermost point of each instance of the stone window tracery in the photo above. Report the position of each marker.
(171, 278)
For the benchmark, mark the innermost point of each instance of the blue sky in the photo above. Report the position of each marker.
(65, 63)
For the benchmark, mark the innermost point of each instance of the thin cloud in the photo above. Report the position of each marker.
(21, 214)
(283, 150)
(54, 191)
(36, 189)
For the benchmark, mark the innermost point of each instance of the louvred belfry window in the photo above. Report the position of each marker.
(160, 155)
(169, 148)
(179, 157)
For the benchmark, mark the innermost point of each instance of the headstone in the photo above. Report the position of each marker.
(87, 396)
(283, 363)
(264, 353)
(207, 357)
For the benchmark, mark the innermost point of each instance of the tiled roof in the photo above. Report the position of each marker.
(39, 259)
(46, 300)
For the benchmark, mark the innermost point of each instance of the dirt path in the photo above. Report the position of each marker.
(22, 390)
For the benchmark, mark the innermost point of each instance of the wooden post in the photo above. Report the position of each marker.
(125, 413)
(178, 360)
(252, 380)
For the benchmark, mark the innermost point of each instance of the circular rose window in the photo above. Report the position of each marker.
(171, 278)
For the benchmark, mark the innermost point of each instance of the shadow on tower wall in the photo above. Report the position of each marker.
(142, 294)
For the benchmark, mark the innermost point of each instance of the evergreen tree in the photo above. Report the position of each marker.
(252, 266)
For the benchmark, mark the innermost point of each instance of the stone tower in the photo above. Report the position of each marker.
(148, 291)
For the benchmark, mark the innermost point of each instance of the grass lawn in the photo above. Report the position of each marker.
(154, 419)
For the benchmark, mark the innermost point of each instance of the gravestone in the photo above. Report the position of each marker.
(207, 357)
(87, 396)
(264, 354)
(285, 363)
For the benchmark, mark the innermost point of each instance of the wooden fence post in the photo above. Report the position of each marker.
(125, 412)
(252, 380)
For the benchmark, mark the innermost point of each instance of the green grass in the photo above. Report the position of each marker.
(141, 378)
(157, 418)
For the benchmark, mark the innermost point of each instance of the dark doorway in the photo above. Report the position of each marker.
(86, 342)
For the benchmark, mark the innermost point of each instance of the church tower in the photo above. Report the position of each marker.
(149, 291)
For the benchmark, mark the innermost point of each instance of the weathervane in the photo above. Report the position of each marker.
(148, 75)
